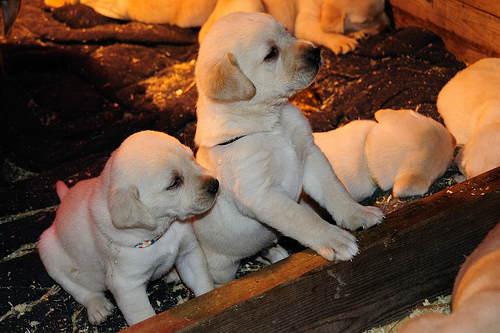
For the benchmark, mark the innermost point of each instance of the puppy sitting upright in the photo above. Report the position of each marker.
(261, 148)
(122, 229)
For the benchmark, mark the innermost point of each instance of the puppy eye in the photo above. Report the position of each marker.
(272, 54)
(177, 182)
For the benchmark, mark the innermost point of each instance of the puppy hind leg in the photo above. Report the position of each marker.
(97, 305)
(409, 185)
(59, 267)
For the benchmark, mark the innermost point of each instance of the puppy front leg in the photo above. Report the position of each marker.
(338, 43)
(222, 269)
(132, 300)
(321, 183)
(192, 266)
(298, 222)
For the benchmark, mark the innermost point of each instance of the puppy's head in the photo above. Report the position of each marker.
(154, 178)
(348, 16)
(250, 56)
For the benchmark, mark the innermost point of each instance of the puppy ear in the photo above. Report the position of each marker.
(127, 210)
(332, 18)
(226, 82)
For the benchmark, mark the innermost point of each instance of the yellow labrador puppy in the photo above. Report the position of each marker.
(402, 150)
(336, 24)
(183, 13)
(475, 298)
(122, 229)
(261, 148)
(470, 106)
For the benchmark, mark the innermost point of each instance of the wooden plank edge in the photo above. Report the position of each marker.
(399, 264)
(478, 43)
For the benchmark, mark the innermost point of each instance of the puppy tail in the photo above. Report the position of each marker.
(61, 189)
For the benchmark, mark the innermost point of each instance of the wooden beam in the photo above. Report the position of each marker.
(414, 254)
(469, 28)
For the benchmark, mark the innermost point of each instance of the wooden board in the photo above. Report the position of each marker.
(469, 28)
(414, 254)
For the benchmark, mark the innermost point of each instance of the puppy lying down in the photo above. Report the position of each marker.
(261, 148)
(470, 106)
(475, 298)
(402, 150)
(183, 13)
(122, 229)
(336, 24)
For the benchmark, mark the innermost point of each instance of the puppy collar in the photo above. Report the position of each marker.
(147, 243)
(141, 245)
(231, 141)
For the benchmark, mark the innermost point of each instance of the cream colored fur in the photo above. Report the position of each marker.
(183, 13)
(149, 185)
(476, 295)
(336, 24)
(402, 150)
(470, 106)
(261, 148)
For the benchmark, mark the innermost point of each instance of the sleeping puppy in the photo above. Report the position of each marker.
(261, 148)
(122, 229)
(470, 106)
(336, 24)
(475, 298)
(402, 150)
(183, 13)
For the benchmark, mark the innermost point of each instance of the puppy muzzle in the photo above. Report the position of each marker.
(212, 186)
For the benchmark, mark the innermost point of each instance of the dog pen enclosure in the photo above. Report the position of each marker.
(415, 254)
(76, 84)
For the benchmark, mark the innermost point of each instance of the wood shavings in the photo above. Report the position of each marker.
(441, 305)
(168, 85)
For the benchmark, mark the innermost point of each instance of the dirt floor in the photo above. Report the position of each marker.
(76, 84)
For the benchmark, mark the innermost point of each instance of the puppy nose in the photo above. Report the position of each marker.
(213, 186)
(313, 55)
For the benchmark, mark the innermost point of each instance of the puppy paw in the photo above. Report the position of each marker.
(98, 309)
(273, 254)
(358, 35)
(341, 44)
(341, 245)
(364, 217)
